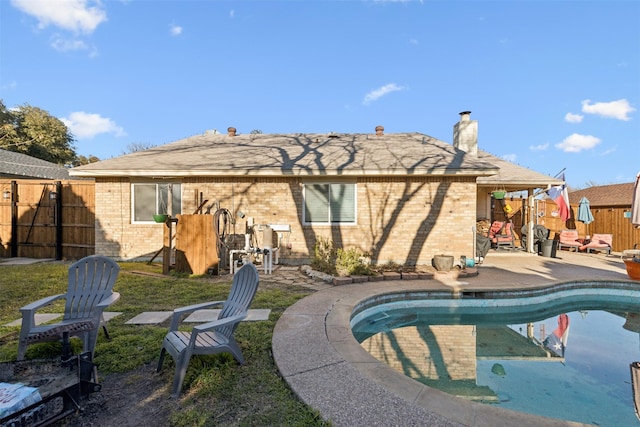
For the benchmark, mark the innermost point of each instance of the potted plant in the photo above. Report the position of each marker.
(160, 217)
(498, 194)
(161, 211)
(633, 267)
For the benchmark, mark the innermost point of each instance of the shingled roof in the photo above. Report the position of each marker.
(294, 154)
(512, 176)
(605, 195)
(21, 166)
(397, 154)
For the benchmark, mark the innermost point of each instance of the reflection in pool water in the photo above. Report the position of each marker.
(498, 355)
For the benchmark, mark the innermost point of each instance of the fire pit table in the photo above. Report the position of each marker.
(61, 384)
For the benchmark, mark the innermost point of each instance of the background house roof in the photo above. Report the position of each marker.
(605, 195)
(21, 166)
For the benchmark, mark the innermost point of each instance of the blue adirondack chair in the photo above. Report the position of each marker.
(212, 337)
(89, 292)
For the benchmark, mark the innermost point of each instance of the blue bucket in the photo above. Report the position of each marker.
(471, 262)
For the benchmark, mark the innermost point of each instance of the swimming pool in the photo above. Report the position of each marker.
(489, 347)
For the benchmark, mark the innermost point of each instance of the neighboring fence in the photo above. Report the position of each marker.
(607, 220)
(47, 219)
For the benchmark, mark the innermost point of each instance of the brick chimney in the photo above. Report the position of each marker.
(379, 130)
(465, 134)
(231, 131)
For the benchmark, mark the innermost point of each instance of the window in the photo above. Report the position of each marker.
(151, 199)
(329, 203)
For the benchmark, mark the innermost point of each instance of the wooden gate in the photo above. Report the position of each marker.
(47, 219)
(196, 245)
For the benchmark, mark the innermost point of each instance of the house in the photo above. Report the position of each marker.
(605, 196)
(401, 197)
(20, 166)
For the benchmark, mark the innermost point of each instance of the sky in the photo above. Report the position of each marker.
(554, 85)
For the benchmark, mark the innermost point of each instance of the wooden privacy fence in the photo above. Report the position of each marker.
(47, 219)
(606, 220)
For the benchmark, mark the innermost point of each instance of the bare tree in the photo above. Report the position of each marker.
(134, 147)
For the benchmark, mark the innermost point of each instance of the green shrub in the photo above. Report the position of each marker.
(324, 256)
(343, 262)
(351, 262)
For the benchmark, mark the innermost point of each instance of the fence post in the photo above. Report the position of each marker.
(14, 219)
(57, 218)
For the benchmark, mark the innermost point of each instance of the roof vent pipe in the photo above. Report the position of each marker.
(231, 131)
(379, 130)
(465, 134)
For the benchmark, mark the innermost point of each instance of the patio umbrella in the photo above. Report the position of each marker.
(635, 204)
(584, 211)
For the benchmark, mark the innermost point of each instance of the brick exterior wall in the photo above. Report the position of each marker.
(406, 220)
(450, 354)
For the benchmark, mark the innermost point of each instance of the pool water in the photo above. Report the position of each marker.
(499, 356)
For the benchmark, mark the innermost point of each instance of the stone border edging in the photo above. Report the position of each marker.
(389, 275)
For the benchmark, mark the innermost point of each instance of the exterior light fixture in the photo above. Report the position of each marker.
(6, 194)
(53, 195)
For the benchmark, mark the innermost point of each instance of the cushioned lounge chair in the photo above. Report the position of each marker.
(569, 239)
(212, 337)
(599, 242)
(501, 235)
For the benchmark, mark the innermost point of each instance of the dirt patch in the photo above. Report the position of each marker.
(134, 398)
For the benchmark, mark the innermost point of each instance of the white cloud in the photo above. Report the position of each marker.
(87, 125)
(80, 16)
(175, 30)
(510, 157)
(541, 147)
(380, 92)
(232, 13)
(573, 118)
(575, 143)
(63, 44)
(615, 109)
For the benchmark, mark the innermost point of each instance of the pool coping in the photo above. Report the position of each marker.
(326, 367)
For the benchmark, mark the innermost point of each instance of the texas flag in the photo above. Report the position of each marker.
(557, 341)
(560, 196)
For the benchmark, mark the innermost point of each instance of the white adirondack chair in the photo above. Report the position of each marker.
(212, 337)
(89, 292)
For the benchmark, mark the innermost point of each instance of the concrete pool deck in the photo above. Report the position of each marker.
(324, 365)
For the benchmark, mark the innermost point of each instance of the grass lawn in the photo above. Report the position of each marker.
(216, 391)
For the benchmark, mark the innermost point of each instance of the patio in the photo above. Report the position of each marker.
(324, 365)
